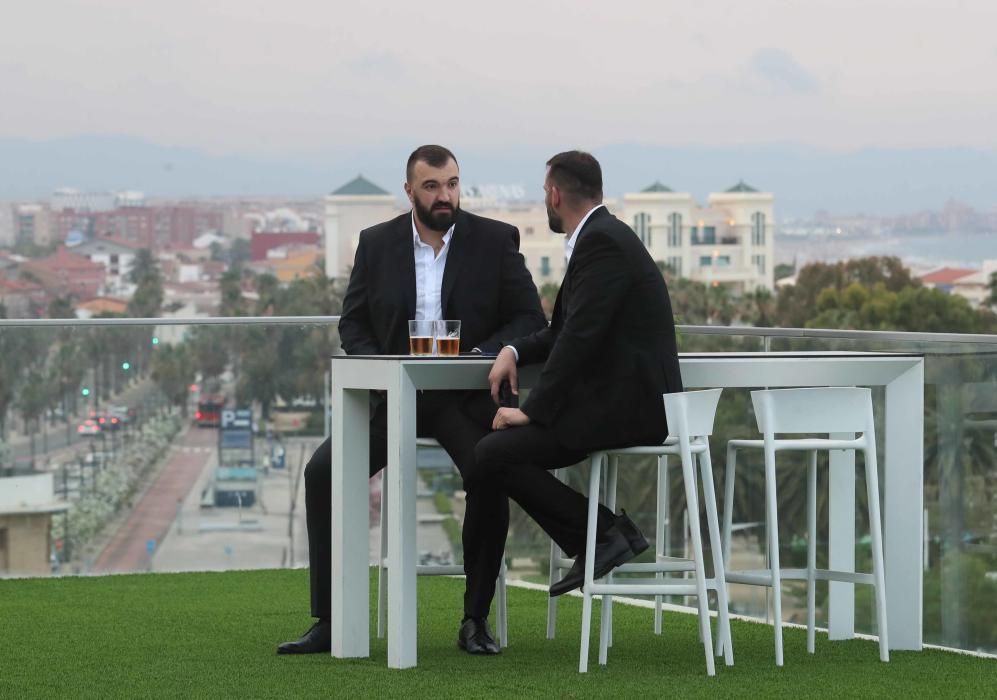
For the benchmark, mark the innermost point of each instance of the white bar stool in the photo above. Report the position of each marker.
(501, 602)
(690, 419)
(815, 410)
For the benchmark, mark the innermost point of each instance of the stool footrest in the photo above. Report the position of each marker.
(763, 577)
(655, 567)
(644, 589)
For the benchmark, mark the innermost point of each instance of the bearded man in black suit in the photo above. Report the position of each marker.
(608, 356)
(433, 263)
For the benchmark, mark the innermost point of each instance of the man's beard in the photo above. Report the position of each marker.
(555, 222)
(437, 218)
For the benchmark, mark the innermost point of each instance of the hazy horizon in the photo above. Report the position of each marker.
(246, 77)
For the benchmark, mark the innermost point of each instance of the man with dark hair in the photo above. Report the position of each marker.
(434, 156)
(608, 356)
(433, 263)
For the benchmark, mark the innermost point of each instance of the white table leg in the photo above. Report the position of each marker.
(841, 540)
(350, 558)
(401, 480)
(902, 511)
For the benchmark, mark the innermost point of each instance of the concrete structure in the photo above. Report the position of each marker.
(7, 236)
(22, 299)
(968, 283)
(67, 274)
(262, 242)
(288, 263)
(117, 258)
(101, 305)
(729, 241)
(348, 210)
(32, 224)
(27, 504)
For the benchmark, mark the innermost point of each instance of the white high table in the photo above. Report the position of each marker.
(353, 377)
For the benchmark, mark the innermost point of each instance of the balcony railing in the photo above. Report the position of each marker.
(163, 489)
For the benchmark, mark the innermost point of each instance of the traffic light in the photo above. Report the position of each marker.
(85, 391)
(126, 365)
(155, 340)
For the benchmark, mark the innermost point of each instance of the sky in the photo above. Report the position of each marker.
(281, 79)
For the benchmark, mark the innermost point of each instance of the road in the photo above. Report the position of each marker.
(58, 437)
(152, 516)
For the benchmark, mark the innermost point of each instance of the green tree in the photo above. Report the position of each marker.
(147, 301)
(239, 253)
(795, 303)
(173, 372)
(61, 307)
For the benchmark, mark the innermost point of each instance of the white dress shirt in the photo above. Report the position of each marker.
(569, 245)
(429, 269)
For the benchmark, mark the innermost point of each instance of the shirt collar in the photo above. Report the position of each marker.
(418, 241)
(569, 245)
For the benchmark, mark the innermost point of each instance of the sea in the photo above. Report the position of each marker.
(919, 252)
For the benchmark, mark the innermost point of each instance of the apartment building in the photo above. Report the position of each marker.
(728, 241)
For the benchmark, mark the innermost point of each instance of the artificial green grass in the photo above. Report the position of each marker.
(214, 635)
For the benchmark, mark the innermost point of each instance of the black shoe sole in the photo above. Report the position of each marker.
(484, 652)
(283, 652)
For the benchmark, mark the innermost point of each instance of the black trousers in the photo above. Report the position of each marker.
(458, 420)
(516, 461)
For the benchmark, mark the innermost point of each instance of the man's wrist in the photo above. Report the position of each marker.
(515, 352)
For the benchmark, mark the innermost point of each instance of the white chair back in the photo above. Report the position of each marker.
(691, 413)
(813, 410)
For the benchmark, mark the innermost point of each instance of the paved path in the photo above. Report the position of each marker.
(155, 512)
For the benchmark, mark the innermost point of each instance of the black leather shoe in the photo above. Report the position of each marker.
(316, 640)
(475, 637)
(610, 553)
(638, 543)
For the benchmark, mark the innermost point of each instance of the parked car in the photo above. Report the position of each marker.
(123, 413)
(106, 420)
(89, 428)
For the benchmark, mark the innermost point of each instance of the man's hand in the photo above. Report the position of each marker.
(509, 418)
(504, 368)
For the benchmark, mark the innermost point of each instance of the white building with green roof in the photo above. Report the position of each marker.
(728, 241)
(350, 209)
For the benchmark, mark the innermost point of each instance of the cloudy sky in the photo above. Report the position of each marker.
(284, 78)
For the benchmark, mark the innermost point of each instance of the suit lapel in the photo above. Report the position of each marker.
(404, 252)
(457, 252)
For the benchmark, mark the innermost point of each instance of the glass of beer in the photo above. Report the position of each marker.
(448, 337)
(420, 337)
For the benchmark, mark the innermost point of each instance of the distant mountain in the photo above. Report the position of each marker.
(804, 179)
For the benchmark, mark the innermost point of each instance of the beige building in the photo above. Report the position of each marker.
(728, 241)
(27, 504)
(355, 206)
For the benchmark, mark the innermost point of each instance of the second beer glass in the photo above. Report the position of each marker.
(448, 338)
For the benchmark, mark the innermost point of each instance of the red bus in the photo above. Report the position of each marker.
(209, 411)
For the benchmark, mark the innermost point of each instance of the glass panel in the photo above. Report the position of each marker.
(134, 436)
(960, 483)
(123, 475)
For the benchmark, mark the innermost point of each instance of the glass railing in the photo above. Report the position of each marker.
(960, 479)
(138, 445)
(160, 445)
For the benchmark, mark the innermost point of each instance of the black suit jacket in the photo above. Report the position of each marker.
(610, 351)
(486, 286)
